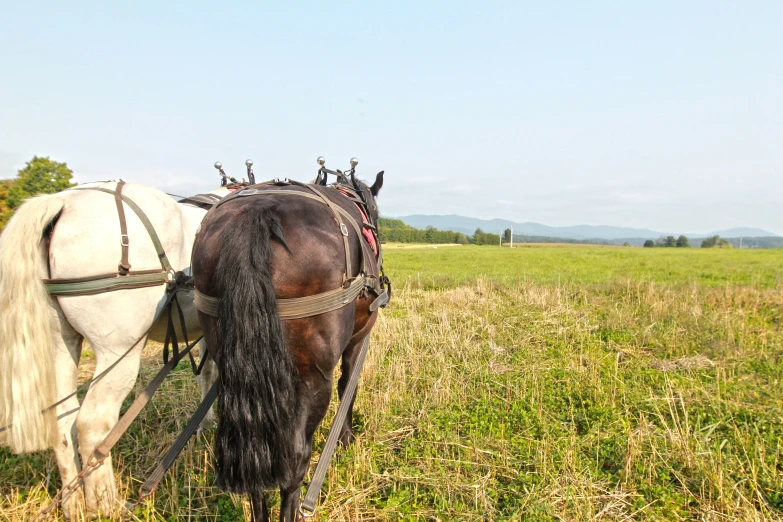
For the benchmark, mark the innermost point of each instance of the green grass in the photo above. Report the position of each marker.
(444, 267)
(540, 383)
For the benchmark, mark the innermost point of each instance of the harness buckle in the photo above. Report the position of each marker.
(124, 240)
(344, 229)
(304, 513)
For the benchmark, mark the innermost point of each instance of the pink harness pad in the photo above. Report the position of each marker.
(366, 230)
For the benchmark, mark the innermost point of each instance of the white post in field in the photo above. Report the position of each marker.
(512, 237)
(501, 238)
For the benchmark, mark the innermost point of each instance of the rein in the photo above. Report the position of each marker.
(307, 507)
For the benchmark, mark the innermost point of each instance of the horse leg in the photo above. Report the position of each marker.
(312, 408)
(260, 513)
(68, 348)
(206, 379)
(346, 369)
(99, 414)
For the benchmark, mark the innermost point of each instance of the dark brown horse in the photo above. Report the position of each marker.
(253, 251)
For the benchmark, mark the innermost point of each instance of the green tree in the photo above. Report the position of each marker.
(682, 242)
(478, 237)
(710, 242)
(5, 186)
(669, 242)
(649, 243)
(507, 235)
(39, 176)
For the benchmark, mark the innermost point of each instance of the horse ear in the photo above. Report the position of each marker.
(376, 187)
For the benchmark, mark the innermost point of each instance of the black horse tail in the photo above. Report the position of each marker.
(254, 442)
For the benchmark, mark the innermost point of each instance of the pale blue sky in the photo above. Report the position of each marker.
(664, 115)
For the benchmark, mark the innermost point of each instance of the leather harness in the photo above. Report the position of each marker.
(123, 279)
(295, 308)
(300, 307)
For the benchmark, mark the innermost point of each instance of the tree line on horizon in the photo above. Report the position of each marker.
(684, 242)
(668, 242)
(397, 231)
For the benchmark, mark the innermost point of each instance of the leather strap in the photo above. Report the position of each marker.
(164, 262)
(101, 284)
(344, 213)
(297, 307)
(124, 267)
(338, 219)
(102, 451)
(307, 508)
(157, 475)
(123, 280)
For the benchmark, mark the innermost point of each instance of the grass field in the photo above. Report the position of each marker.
(535, 383)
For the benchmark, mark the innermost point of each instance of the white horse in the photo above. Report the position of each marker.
(76, 234)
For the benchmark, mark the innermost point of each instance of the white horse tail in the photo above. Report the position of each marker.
(27, 373)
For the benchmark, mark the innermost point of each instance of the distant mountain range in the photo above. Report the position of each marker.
(468, 226)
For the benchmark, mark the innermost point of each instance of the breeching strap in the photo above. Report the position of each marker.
(123, 279)
(307, 508)
(298, 307)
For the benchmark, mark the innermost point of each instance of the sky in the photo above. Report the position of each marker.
(665, 115)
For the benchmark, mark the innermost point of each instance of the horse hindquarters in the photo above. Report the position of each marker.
(27, 373)
(254, 441)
